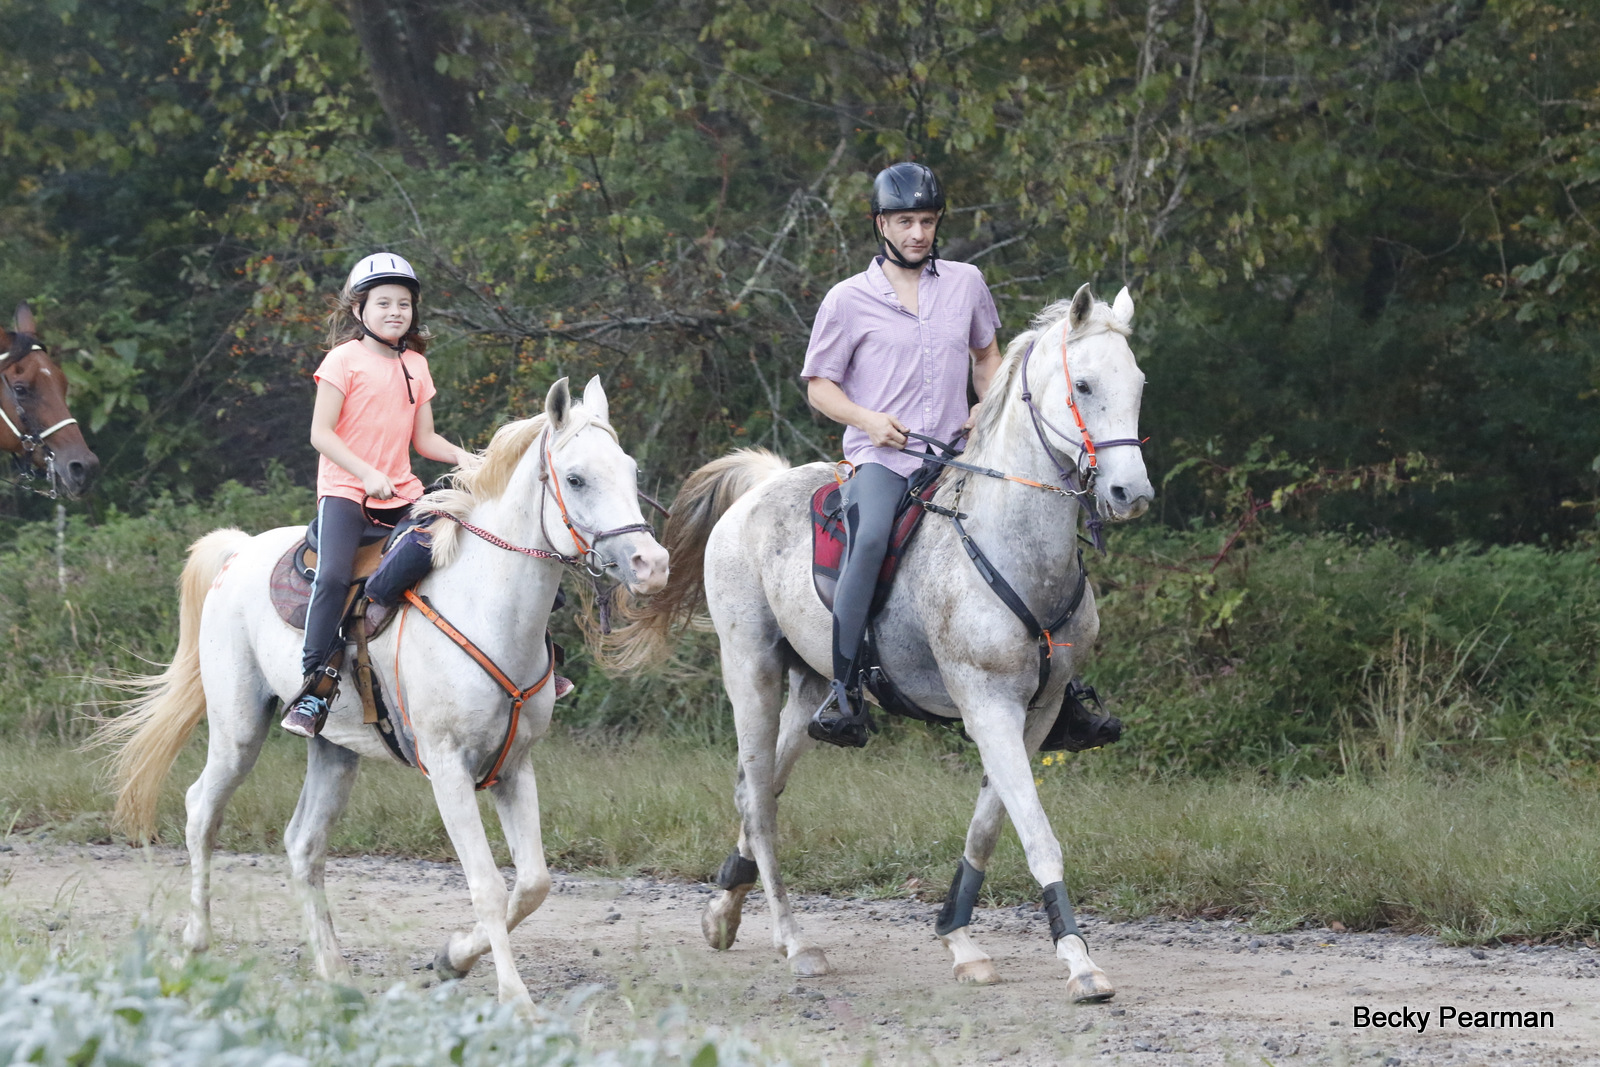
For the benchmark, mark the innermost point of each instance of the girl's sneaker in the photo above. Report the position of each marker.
(306, 716)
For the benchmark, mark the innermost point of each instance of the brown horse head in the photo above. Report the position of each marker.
(35, 424)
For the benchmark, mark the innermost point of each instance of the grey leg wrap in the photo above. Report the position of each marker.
(737, 872)
(1059, 908)
(957, 910)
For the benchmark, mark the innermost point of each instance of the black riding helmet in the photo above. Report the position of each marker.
(906, 187)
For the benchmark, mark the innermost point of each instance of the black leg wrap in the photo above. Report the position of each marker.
(737, 872)
(957, 910)
(1059, 908)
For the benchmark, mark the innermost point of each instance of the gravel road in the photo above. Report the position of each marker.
(1189, 992)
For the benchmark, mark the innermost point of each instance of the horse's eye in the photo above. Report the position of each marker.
(1083, 387)
(575, 481)
(22, 389)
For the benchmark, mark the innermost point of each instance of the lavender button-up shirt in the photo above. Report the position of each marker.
(914, 367)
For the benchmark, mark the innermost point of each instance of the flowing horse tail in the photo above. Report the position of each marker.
(646, 639)
(168, 706)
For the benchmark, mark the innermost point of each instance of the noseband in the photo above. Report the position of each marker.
(583, 537)
(30, 440)
(1087, 467)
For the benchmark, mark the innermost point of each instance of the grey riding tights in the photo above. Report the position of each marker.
(870, 498)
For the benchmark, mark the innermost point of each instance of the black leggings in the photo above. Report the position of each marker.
(341, 529)
(870, 498)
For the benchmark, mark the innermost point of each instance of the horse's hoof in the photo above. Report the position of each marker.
(720, 927)
(1090, 987)
(809, 963)
(196, 939)
(977, 972)
(443, 968)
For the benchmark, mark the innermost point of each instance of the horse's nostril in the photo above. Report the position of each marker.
(1119, 493)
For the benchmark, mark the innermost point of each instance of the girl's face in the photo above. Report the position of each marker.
(388, 312)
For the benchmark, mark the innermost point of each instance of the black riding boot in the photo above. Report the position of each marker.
(843, 718)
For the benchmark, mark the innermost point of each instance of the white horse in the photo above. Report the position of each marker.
(558, 471)
(945, 637)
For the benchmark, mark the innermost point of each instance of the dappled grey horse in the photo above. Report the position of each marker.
(946, 636)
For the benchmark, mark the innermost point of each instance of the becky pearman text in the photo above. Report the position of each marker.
(1448, 1015)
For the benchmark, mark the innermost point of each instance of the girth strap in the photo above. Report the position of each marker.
(518, 697)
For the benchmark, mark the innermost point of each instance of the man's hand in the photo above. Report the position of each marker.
(972, 416)
(884, 430)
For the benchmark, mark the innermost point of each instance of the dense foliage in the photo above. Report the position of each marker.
(1283, 653)
(1363, 228)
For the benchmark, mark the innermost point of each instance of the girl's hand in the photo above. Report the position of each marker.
(377, 485)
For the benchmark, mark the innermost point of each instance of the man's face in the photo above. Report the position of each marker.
(912, 232)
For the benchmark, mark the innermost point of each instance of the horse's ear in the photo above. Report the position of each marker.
(1082, 304)
(558, 404)
(594, 398)
(25, 323)
(5, 347)
(1123, 308)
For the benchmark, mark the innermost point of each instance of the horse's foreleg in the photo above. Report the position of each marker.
(971, 963)
(517, 800)
(720, 923)
(998, 734)
(238, 725)
(330, 773)
(458, 806)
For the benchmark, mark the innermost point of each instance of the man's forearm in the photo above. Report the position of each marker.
(828, 398)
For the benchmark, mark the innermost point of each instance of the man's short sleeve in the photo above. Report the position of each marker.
(831, 349)
(335, 370)
(985, 319)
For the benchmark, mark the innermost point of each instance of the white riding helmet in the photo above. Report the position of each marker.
(382, 268)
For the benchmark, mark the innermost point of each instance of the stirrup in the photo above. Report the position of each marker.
(842, 719)
(1079, 726)
(306, 716)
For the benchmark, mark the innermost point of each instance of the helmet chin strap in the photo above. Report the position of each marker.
(399, 351)
(900, 260)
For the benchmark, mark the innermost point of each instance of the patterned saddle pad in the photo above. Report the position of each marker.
(291, 585)
(828, 536)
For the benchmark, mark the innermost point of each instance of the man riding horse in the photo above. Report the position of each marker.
(889, 356)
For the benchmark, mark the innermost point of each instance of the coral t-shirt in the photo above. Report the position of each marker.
(377, 418)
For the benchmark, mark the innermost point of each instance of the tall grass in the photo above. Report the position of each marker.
(1509, 853)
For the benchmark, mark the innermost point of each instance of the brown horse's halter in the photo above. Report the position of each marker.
(30, 441)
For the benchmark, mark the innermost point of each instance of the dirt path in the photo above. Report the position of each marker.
(1200, 993)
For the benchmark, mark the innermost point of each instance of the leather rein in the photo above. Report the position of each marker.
(29, 440)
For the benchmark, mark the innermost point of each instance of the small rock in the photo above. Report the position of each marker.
(597, 952)
(1337, 927)
(1391, 1061)
(1119, 1011)
(1255, 943)
(1479, 954)
(1286, 972)
(613, 917)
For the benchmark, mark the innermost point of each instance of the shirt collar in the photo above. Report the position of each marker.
(880, 281)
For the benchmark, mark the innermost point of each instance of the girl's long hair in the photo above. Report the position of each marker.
(344, 326)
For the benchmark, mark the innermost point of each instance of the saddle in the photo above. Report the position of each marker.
(827, 540)
(1077, 727)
